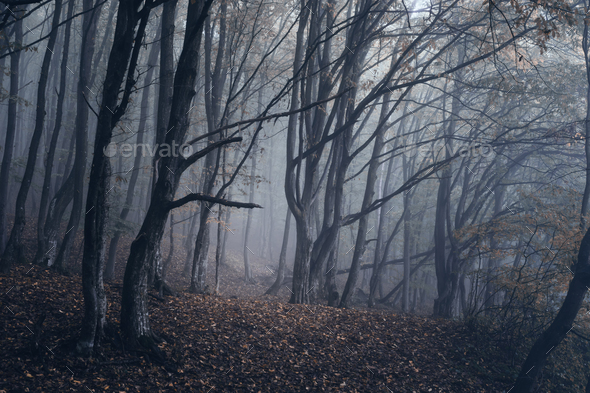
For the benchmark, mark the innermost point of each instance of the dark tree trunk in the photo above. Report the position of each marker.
(443, 303)
(361, 238)
(446, 265)
(41, 240)
(166, 75)
(247, 269)
(165, 92)
(345, 113)
(152, 59)
(271, 199)
(201, 252)
(135, 322)
(67, 167)
(218, 249)
(14, 248)
(134, 312)
(190, 243)
(407, 240)
(168, 261)
(562, 324)
(586, 194)
(214, 83)
(301, 270)
(274, 289)
(10, 134)
(103, 45)
(90, 23)
(331, 287)
(493, 262)
(55, 212)
(122, 63)
(378, 260)
(299, 208)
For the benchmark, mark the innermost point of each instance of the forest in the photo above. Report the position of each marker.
(312, 195)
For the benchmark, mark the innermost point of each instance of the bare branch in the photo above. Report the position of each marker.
(214, 200)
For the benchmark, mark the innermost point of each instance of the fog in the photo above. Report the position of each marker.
(428, 158)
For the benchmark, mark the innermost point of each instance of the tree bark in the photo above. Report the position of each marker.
(45, 191)
(379, 256)
(122, 63)
(134, 312)
(166, 75)
(586, 195)
(299, 209)
(561, 325)
(407, 240)
(10, 133)
(446, 266)
(14, 248)
(168, 261)
(214, 83)
(152, 59)
(218, 249)
(276, 286)
(493, 262)
(361, 238)
(90, 23)
(247, 269)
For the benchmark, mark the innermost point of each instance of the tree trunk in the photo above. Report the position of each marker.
(152, 59)
(274, 289)
(90, 23)
(135, 322)
(55, 212)
(586, 195)
(407, 237)
(134, 312)
(301, 270)
(166, 264)
(41, 242)
(299, 208)
(561, 325)
(10, 133)
(218, 249)
(190, 243)
(121, 64)
(361, 238)
(201, 253)
(14, 248)
(490, 288)
(214, 83)
(270, 204)
(166, 75)
(379, 257)
(247, 269)
(446, 268)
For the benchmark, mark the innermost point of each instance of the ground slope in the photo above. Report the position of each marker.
(216, 344)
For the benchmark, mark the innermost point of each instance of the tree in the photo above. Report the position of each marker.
(152, 58)
(121, 64)
(14, 249)
(49, 161)
(82, 110)
(10, 128)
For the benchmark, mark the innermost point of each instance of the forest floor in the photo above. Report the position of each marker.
(221, 344)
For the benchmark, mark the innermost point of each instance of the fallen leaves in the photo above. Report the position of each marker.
(230, 345)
